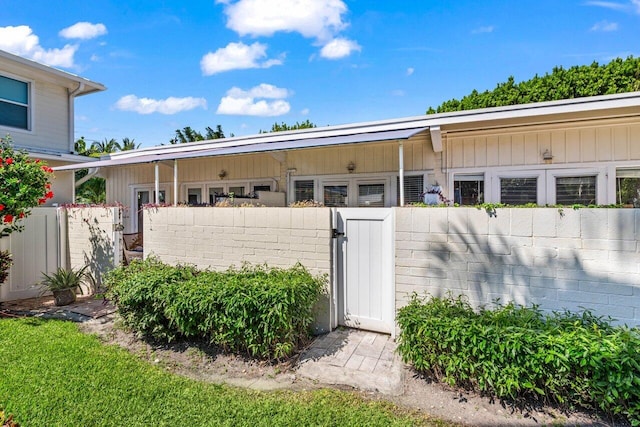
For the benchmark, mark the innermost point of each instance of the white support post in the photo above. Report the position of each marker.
(157, 184)
(401, 171)
(175, 182)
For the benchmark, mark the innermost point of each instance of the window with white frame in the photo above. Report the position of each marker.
(14, 103)
(303, 190)
(518, 191)
(468, 189)
(336, 195)
(572, 190)
(371, 195)
(628, 187)
(413, 188)
(194, 195)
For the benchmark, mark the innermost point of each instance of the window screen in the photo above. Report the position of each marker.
(303, 190)
(14, 103)
(371, 195)
(576, 190)
(413, 188)
(518, 191)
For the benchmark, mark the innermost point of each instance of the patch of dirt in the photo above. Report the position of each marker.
(204, 362)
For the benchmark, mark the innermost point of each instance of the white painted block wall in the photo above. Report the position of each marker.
(557, 258)
(218, 238)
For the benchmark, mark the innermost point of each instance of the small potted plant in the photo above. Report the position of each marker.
(64, 283)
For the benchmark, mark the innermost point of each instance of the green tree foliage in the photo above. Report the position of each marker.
(94, 190)
(618, 76)
(188, 134)
(282, 127)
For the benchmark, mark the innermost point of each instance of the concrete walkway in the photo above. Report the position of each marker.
(360, 359)
(84, 309)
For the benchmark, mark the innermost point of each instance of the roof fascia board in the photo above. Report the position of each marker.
(91, 85)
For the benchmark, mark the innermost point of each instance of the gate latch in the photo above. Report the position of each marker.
(335, 233)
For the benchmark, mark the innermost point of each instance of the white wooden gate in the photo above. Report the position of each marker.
(34, 250)
(365, 268)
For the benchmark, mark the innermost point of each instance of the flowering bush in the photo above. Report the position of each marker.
(24, 183)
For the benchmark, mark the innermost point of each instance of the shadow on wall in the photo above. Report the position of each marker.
(96, 247)
(564, 269)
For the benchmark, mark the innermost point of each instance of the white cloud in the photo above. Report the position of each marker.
(170, 105)
(305, 112)
(632, 6)
(236, 56)
(605, 26)
(21, 41)
(410, 71)
(253, 102)
(319, 19)
(483, 30)
(83, 31)
(398, 92)
(339, 48)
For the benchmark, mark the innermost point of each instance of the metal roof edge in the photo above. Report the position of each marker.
(583, 104)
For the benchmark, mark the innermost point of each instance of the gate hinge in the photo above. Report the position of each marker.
(335, 233)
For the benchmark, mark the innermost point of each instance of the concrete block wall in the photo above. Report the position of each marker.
(218, 238)
(557, 258)
(94, 239)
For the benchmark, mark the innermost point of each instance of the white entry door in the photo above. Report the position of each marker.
(366, 268)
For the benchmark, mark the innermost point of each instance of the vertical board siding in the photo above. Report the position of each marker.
(573, 144)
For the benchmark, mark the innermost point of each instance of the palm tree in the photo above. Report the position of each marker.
(127, 145)
(105, 147)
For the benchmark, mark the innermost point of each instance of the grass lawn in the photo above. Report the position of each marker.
(53, 375)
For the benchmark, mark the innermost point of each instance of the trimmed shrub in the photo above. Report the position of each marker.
(515, 352)
(266, 312)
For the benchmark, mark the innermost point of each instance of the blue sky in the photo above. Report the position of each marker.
(245, 64)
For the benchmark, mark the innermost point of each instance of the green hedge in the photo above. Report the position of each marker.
(515, 352)
(266, 312)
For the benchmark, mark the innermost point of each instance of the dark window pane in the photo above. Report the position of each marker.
(14, 115)
(371, 195)
(413, 188)
(576, 190)
(467, 193)
(261, 188)
(303, 190)
(518, 191)
(14, 90)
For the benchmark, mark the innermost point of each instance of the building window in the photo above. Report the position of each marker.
(518, 191)
(628, 187)
(468, 189)
(413, 188)
(194, 196)
(371, 195)
(262, 187)
(14, 103)
(237, 191)
(335, 196)
(303, 190)
(576, 190)
(214, 193)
